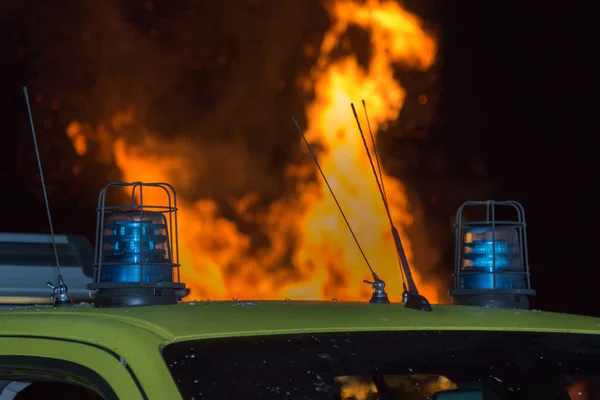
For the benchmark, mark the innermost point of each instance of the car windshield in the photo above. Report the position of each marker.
(389, 365)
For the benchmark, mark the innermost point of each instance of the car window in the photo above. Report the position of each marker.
(388, 365)
(42, 362)
(27, 377)
(41, 388)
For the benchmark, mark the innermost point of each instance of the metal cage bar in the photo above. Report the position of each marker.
(169, 210)
(490, 212)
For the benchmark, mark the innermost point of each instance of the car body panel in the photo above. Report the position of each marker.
(162, 324)
(136, 347)
(136, 334)
(100, 361)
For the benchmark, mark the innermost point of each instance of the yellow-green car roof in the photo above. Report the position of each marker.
(212, 319)
(137, 334)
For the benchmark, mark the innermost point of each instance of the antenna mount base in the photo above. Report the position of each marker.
(60, 293)
(379, 295)
(379, 299)
(417, 302)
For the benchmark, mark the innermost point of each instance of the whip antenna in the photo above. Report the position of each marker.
(379, 294)
(382, 188)
(413, 299)
(375, 151)
(60, 291)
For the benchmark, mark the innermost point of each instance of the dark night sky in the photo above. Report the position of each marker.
(511, 77)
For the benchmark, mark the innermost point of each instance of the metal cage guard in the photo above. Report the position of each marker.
(492, 296)
(111, 293)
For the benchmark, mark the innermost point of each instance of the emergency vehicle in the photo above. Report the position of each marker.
(122, 330)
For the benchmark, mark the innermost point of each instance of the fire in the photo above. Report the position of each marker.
(310, 253)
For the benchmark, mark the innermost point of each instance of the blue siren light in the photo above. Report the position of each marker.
(491, 266)
(137, 249)
(127, 240)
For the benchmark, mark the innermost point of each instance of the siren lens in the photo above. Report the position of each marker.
(134, 250)
(492, 259)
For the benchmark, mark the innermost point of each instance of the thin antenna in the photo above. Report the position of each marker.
(375, 151)
(382, 189)
(379, 295)
(413, 299)
(60, 291)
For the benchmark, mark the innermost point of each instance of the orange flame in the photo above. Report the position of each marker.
(310, 254)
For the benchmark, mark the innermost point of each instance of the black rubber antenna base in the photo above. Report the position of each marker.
(417, 302)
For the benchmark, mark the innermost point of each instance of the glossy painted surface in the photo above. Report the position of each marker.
(101, 362)
(136, 334)
(216, 319)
